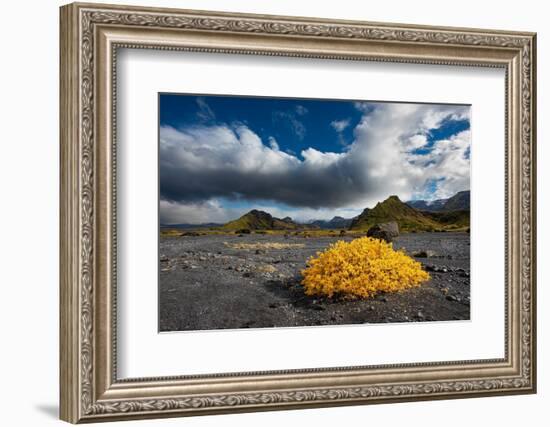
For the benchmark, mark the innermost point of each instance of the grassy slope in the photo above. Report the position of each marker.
(258, 221)
(451, 220)
(393, 209)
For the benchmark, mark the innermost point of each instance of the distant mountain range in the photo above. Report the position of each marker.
(418, 215)
(460, 201)
(336, 222)
(195, 226)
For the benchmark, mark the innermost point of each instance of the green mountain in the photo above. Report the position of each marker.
(260, 220)
(460, 201)
(451, 219)
(393, 209)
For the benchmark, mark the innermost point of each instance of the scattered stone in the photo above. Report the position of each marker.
(248, 274)
(420, 315)
(190, 234)
(242, 231)
(436, 269)
(425, 254)
(385, 231)
(451, 298)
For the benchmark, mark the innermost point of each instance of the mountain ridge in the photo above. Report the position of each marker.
(335, 222)
(393, 209)
(260, 220)
(459, 201)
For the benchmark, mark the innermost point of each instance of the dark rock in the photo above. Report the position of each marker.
(425, 254)
(385, 231)
(242, 231)
(189, 234)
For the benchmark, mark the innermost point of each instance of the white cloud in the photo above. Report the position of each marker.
(301, 110)
(204, 163)
(194, 213)
(289, 119)
(273, 143)
(416, 141)
(205, 113)
(340, 125)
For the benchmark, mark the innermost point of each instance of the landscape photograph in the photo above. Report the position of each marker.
(290, 212)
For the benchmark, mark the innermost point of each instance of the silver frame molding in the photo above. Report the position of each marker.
(90, 37)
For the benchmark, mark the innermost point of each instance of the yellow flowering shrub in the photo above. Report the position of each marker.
(362, 268)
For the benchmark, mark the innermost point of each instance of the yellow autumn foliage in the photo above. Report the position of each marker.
(362, 267)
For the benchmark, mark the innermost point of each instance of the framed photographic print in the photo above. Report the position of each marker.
(265, 212)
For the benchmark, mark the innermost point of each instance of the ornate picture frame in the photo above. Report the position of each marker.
(90, 37)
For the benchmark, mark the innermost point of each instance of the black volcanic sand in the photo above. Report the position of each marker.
(206, 284)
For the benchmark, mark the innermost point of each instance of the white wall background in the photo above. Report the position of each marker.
(29, 170)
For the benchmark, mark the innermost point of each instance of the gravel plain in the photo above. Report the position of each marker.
(231, 281)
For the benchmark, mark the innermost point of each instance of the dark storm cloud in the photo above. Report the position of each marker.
(205, 162)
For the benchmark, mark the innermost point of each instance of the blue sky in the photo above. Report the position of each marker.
(296, 124)
(221, 156)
